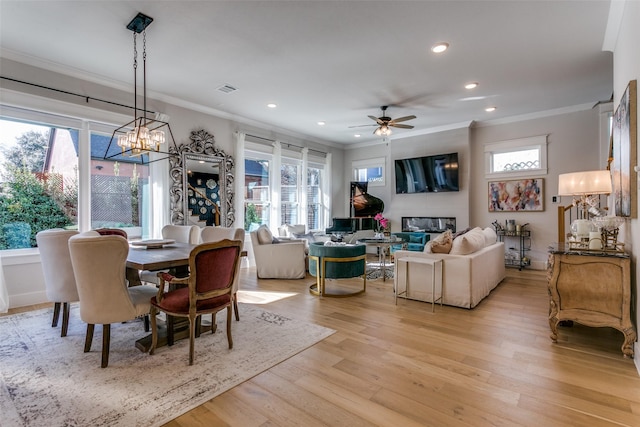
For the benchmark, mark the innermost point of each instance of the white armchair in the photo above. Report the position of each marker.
(283, 260)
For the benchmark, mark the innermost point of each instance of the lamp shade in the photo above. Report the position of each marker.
(584, 183)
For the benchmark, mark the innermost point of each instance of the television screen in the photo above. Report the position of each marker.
(428, 174)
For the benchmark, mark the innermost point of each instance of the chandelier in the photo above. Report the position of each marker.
(142, 135)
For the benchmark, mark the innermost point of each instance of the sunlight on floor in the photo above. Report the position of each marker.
(262, 297)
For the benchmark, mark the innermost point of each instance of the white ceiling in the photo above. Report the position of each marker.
(335, 61)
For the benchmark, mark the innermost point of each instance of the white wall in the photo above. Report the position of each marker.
(573, 141)
(626, 67)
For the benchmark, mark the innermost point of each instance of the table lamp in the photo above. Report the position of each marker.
(583, 186)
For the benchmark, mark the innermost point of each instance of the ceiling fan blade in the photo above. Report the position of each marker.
(395, 125)
(403, 119)
(377, 120)
(361, 126)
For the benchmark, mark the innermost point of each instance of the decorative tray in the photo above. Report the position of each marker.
(153, 243)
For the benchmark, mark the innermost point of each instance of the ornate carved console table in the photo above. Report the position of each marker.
(593, 289)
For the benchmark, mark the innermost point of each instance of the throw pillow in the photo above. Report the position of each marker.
(468, 243)
(460, 233)
(442, 243)
(490, 236)
(264, 235)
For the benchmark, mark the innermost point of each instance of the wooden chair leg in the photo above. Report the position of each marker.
(56, 314)
(65, 319)
(106, 340)
(154, 329)
(169, 330)
(235, 307)
(198, 326)
(192, 337)
(146, 323)
(229, 309)
(88, 338)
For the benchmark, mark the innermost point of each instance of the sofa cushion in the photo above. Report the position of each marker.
(468, 243)
(264, 235)
(490, 236)
(294, 229)
(415, 239)
(441, 244)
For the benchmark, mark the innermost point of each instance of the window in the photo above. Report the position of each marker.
(315, 208)
(39, 181)
(40, 184)
(371, 171)
(257, 193)
(289, 193)
(118, 189)
(518, 157)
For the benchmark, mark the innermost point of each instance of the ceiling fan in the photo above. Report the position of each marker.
(386, 123)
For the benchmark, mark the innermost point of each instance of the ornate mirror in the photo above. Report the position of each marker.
(202, 183)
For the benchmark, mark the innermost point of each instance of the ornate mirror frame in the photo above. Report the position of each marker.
(201, 148)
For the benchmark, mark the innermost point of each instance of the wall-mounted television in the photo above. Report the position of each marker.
(428, 174)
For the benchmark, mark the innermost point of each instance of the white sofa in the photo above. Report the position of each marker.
(466, 279)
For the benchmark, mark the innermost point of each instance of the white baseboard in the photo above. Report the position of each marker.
(21, 300)
(636, 356)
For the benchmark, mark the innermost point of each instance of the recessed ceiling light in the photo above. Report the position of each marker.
(439, 47)
(357, 135)
(490, 109)
(321, 123)
(272, 105)
(471, 85)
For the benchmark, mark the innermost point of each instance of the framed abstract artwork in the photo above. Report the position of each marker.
(519, 195)
(623, 154)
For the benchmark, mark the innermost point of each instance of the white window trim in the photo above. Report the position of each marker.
(379, 162)
(534, 142)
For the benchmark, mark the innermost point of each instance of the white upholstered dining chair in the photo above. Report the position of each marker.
(59, 280)
(210, 234)
(99, 267)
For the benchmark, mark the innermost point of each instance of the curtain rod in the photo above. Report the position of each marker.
(287, 143)
(85, 97)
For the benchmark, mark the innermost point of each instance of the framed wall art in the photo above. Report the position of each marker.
(518, 195)
(623, 154)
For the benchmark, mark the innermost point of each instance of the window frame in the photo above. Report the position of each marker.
(513, 146)
(378, 162)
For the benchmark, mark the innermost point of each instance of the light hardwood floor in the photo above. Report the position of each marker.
(401, 365)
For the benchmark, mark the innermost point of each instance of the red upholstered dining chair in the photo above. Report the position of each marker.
(216, 234)
(209, 287)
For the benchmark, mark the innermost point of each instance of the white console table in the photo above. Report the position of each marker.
(435, 277)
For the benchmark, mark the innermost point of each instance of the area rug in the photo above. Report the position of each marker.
(48, 380)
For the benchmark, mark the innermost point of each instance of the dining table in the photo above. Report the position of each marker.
(171, 256)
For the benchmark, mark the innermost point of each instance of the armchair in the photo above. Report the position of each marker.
(283, 260)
